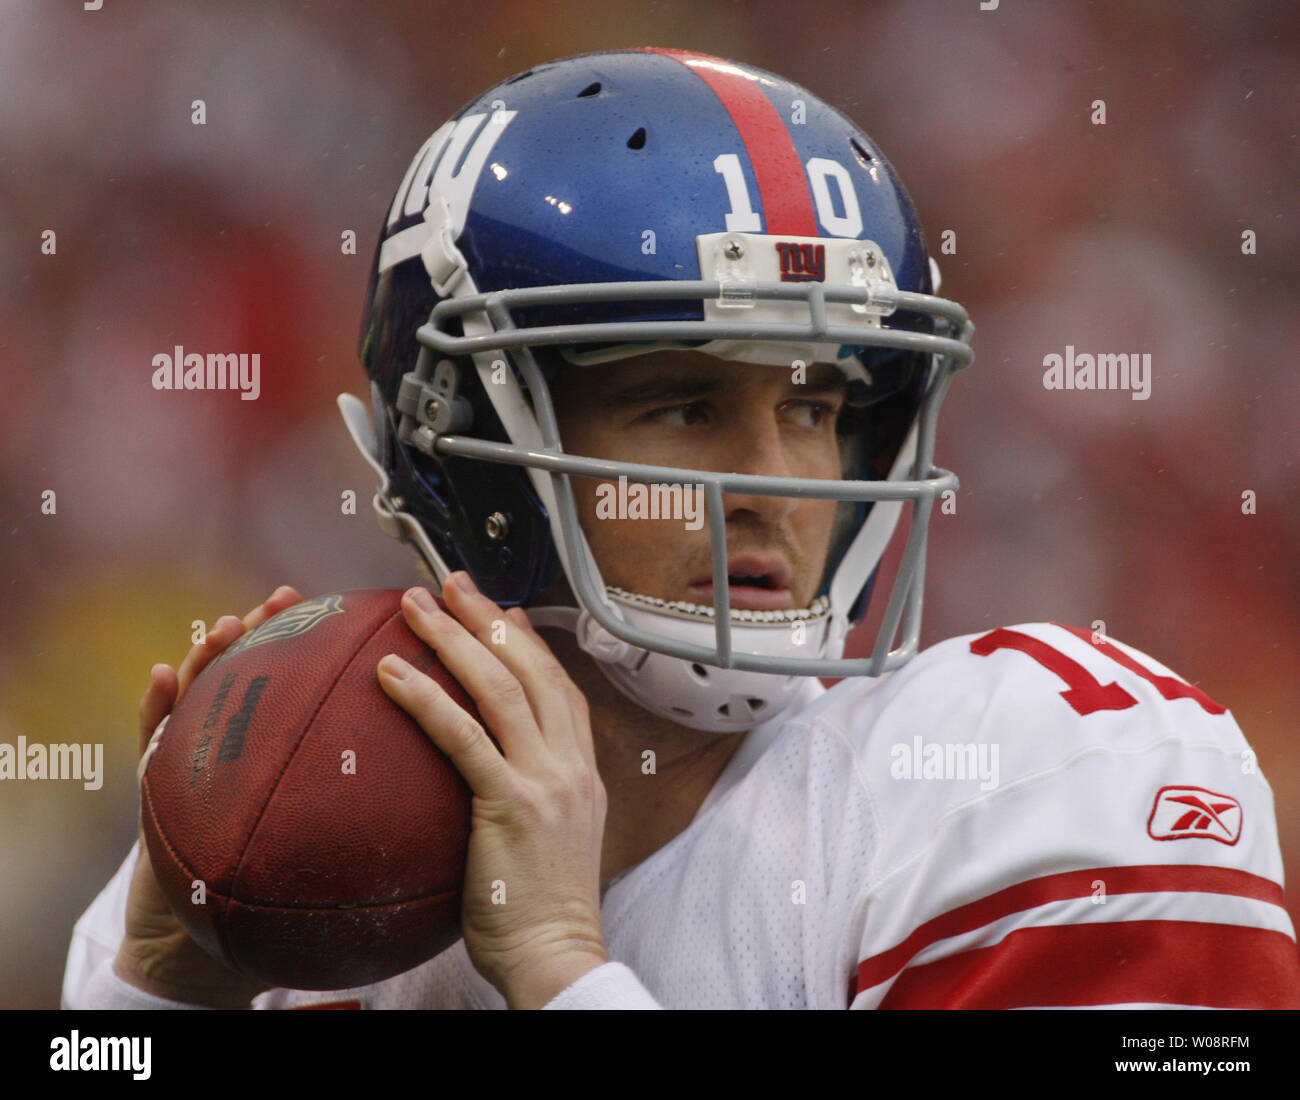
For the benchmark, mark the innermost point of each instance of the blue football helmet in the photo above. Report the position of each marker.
(605, 206)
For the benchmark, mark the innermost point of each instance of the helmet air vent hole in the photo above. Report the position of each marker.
(682, 710)
(701, 672)
(756, 704)
(637, 140)
(521, 76)
(590, 90)
(866, 158)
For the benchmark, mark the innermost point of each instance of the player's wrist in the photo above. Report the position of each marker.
(172, 972)
(534, 984)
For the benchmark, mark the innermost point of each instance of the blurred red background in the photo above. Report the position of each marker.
(173, 507)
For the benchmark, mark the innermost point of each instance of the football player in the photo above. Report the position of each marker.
(655, 362)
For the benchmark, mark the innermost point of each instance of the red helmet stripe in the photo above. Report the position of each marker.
(782, 185)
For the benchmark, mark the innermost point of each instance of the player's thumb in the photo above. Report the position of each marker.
(158, 700)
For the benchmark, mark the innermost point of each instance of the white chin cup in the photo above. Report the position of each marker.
(718, 700)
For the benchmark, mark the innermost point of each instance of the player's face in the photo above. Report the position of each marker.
(688, 409)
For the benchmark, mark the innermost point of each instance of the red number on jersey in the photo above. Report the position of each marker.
(1168, 686)
(1085, 693)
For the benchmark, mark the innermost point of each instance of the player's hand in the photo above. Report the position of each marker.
(531, 904)
(157, 954)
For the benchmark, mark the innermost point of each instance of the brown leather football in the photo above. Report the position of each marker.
(304, 828)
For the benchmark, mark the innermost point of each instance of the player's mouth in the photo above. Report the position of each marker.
(756, 583)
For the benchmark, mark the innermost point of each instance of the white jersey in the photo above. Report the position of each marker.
(1029, 817)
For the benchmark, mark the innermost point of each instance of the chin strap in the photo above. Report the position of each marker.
(593, 639)
(392, 520)
(563, 617)
(718, 700)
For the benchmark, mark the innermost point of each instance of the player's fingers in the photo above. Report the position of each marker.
(277, 601)
(578, 701)
(502, 700)
(449, 726)
(524, 656)
(228, 629)
(579, 718)
(156, 704)
(224, 631)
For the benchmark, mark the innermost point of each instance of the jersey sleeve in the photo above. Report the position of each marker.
(1064, 823)
(609, 986)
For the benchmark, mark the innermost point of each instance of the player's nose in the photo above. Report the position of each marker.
(759, 450)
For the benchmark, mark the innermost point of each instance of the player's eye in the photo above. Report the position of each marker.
(681, 416)
(811, 414)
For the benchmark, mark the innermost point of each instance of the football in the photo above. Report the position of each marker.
(304, 828)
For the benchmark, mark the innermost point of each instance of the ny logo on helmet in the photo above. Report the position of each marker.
(802, 263)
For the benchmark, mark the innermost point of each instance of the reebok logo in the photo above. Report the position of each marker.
(1182, 812)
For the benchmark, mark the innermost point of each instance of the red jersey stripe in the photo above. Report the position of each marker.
(782, 185)
(1123, 962)
(326, 1005)
(1156, 878)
